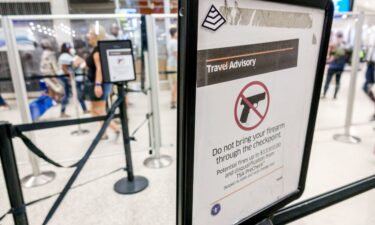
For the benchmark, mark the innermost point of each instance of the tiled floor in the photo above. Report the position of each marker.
(95, 203)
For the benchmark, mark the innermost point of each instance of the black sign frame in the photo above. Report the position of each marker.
(187, 84)
(113, 44)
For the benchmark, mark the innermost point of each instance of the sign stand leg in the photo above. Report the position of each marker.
(130, 184)
(267, 221)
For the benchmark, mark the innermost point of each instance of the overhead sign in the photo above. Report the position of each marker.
(117, 61)
(343, 5)
(248, 106)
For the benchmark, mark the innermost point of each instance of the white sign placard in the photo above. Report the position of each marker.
(120, 64)
(256, 67)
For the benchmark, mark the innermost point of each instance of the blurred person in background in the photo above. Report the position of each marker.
(116, 33)
(3, 104)
(100, 91)
(172, 51)
(368, 86)
(65, 68)
(79, 66)
(48, 67)
(337, 56)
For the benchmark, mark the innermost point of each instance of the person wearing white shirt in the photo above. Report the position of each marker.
(172, 65)
(65, 62)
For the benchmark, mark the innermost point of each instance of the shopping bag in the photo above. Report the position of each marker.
(40, 105)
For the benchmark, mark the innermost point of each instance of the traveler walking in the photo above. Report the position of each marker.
(79, 66)
(65, 68)
(99, 91)
(337, 59)
(172, 65)
(48, 67)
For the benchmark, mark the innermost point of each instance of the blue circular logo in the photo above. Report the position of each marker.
(216, 209)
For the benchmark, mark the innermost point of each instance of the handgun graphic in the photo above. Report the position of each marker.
(254, 100)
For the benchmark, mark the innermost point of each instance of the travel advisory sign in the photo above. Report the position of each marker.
(256, 70)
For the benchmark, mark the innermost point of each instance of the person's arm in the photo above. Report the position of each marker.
(53, 61)
(65, 69)
(175, 51)
(77, 62)
(330, 55)
(98, 76)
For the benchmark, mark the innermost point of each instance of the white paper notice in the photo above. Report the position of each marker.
(256, 67)
(120, 63)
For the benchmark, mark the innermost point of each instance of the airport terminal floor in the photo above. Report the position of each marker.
(93, 200)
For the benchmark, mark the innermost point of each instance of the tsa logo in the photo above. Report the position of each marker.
(216, 209)
(214, 20)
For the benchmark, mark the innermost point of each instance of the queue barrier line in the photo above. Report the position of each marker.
(22, 209)
(17, 131)
(59, 123)
(317, 203)
(34, 149)
(84, 160)
(39, 77)
(11, 131)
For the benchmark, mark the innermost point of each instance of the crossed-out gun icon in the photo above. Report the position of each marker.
(254, 100)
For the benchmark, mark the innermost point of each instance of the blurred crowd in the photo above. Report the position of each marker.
(73, 73)
(339, 55)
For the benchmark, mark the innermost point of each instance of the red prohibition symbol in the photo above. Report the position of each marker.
(247, 106)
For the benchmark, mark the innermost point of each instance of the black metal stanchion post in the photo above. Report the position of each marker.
(130, 184)
(8, 162)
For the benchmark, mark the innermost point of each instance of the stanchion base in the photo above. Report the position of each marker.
(80, 132)
(35, 181)
(347, 138)
(125, 187)
(158, 162)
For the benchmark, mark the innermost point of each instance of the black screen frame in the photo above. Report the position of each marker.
(187, 71)
(103, 46)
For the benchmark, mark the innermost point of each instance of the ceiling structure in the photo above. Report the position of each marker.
(364, 5)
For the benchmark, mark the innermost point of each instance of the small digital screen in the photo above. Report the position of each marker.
(342, 5)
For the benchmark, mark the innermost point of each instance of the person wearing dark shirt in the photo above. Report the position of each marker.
(337, 60)
(101, 91)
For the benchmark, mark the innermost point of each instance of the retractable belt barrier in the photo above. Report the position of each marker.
(39, 77)
(18, 132)
(79, 166)
(18, 208)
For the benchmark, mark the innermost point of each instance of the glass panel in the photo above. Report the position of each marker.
(345, 162)
(5, 85)
(38, 37)
(167, 61)
(344, 26)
